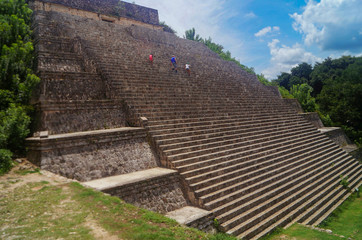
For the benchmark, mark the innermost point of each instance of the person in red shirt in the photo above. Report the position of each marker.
(151, 58)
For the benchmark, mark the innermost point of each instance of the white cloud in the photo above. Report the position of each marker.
(331, 24)
(250, 15)
(263, 32)
(266, 30)
(284, 58)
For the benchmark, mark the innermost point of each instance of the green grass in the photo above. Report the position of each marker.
(39, 211)
(130, 222)
(346, 220)
(299, 232)
(43, 211)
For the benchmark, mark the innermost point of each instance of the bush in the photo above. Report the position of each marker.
(14, 128)
(5, 161)
(285, 93)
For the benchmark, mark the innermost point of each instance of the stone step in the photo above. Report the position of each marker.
(286, 207)
(113, 182)
(286, 221)
(232, 208)
(316, 211)
(268, 177)
(241, 123)
(213, 120)
(225, 145)
(235, 217)
(219, 116)
(240, 175)
(242, 151)
(243, 126)
(234, 136)
(263, 184)
(201, 167)
(355, 184)
(242, 132)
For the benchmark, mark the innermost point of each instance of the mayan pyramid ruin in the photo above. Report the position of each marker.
(215, 145)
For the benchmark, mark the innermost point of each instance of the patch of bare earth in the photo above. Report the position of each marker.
(14, 179)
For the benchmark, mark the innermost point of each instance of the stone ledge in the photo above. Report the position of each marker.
(108, 183)
(194, 217)
(88, 133)
(338, 136)
(187, 215)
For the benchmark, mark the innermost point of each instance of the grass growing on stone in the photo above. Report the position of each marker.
(300, 232)
(42, 210)
(346, 220)
(129, 222)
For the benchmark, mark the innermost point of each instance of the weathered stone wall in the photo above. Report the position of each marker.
(205, 224)
(294, 104)
(162, 194)
(79, 116)
(88, 156)
(337, 135)
(112, 8)
(313, 118)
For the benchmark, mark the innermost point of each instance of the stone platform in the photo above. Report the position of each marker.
(156, 189)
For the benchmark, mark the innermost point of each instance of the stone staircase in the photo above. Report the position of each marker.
(240, 151)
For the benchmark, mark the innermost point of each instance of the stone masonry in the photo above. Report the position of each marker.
(240, 151)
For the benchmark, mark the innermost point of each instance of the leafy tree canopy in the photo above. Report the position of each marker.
(333, 88)
(16, 78)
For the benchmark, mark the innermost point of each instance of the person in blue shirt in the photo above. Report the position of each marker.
(174, 63)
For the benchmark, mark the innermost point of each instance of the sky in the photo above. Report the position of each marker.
(272, 36)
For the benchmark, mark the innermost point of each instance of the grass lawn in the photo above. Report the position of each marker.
(48, 210)
(346, 220)
(34, 206)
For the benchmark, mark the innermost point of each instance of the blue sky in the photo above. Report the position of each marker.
(271, 36)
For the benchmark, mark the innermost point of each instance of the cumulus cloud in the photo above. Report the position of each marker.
(331, 24)
(284, 58)
(267, 30)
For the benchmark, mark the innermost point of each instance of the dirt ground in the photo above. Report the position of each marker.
(14, 179)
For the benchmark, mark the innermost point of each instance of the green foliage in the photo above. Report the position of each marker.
(341, 97)
(346, 220)
(336, 94)
(14, 123)
(17, 80)
(285, 93)
(167, 28)
(302, 92)
(344, 181)
(5, 161)
(191, 35)
(263, 80)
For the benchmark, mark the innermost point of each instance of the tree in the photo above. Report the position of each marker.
(341, 98)
(16, 78)
(302, 92)
(283, 80)
(191, 35)
(303, 70)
